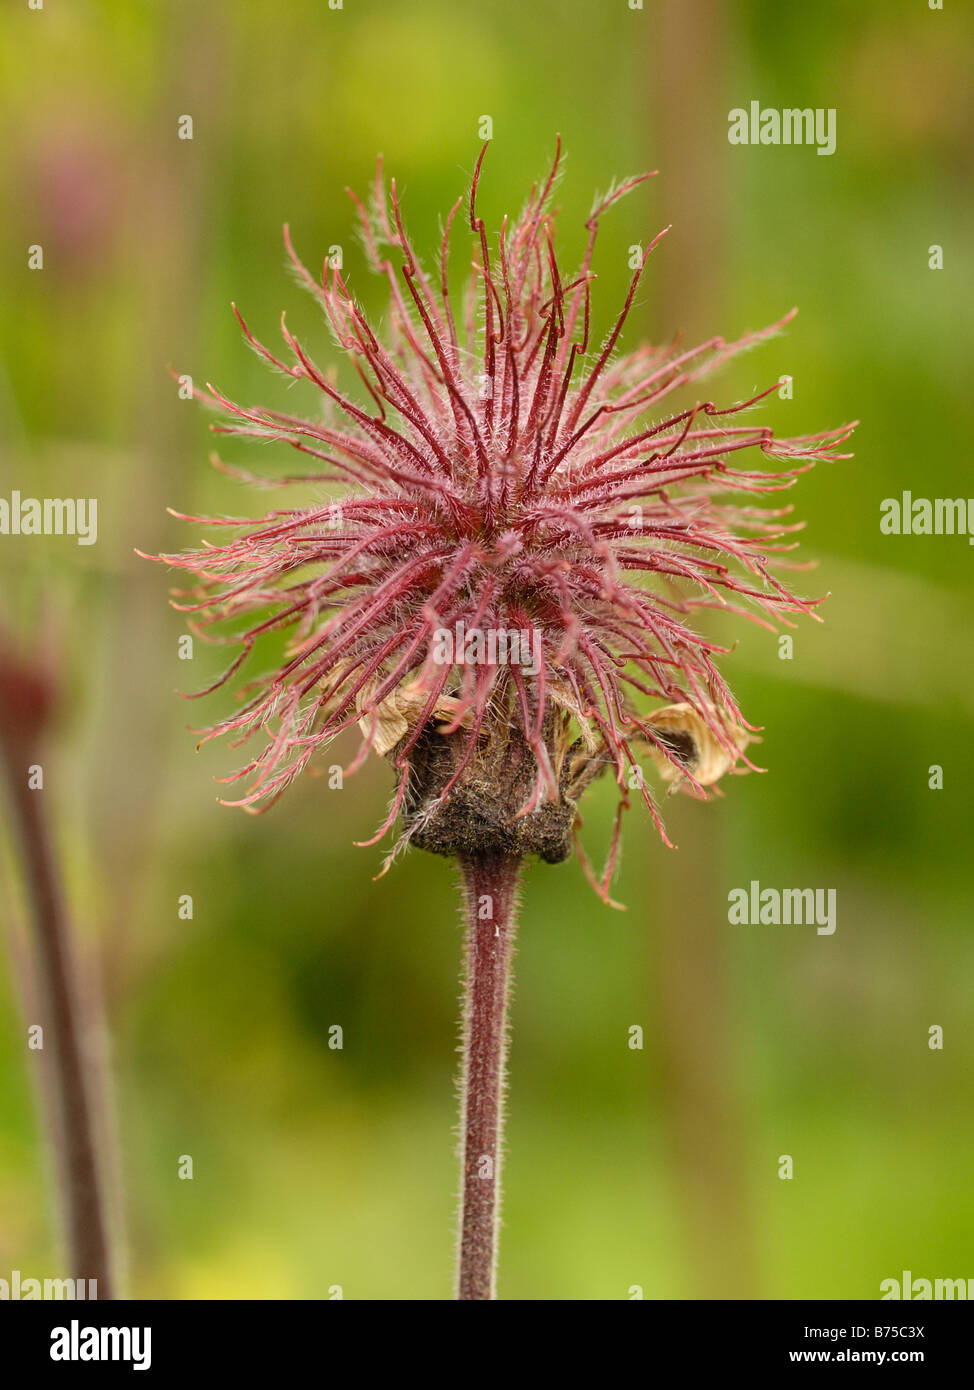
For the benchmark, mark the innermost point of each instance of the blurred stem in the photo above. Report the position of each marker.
(490, 890)
(75, 1144)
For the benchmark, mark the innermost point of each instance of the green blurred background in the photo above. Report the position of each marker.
(656, 1168)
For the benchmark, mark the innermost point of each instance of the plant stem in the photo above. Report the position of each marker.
(490, 889)
(77, 1153)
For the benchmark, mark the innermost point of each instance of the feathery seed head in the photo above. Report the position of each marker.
(504, 584)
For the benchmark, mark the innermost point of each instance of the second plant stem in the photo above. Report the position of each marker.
(70, 1073)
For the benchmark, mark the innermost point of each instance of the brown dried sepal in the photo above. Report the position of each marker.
(483, 812)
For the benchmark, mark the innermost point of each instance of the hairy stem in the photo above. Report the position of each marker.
(490, 888)
(75, 1142)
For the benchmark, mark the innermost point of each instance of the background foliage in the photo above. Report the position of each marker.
(656, 1167)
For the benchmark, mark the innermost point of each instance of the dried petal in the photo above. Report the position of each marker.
(691, 740)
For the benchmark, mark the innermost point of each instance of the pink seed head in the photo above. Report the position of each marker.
(504, 471)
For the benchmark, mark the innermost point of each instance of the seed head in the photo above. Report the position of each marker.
(498, 584)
